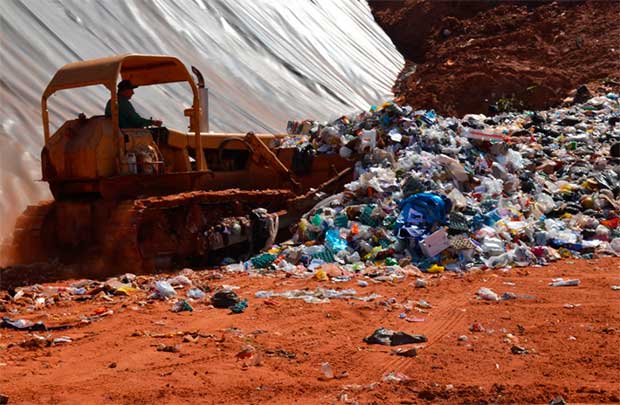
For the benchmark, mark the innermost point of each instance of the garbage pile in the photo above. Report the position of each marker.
(441, 193)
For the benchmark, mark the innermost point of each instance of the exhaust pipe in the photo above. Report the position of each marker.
(203, 94)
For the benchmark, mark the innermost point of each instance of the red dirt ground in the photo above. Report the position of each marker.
(528, 55)
(574, 352)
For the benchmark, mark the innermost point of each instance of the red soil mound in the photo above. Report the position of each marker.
(514, 55)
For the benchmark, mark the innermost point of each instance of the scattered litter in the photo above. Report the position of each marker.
(163, 290)
(406, 352)
(181, 306)
(389, 337)
(564, 283)
(476, 327)
(558, 401)
(180, 281)
(168, 348)
(22, 324)
(423, 304)
(196, 293)
(246, 352)
(318, 296)
(395, 376)
(239, 307)
(421, 283)
(328, 372)
(508, 296)
(487, 294)
(225, 298)
(518, 350)
(62, 339)
(414, 319)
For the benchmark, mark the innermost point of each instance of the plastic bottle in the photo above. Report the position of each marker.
(565, 283)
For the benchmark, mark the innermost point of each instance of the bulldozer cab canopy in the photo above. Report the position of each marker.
(140, 69)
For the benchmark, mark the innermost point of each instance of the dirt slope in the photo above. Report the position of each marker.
(514, 55)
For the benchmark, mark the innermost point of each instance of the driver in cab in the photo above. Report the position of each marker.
(127, 115)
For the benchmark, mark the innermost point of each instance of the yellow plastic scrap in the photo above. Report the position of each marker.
(321, 275)
(125, 290)
(565, 253)
(436, 269)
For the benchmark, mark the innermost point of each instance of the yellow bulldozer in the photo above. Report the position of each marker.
(143, 199)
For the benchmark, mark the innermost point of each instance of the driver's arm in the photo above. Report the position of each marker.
(130, 117)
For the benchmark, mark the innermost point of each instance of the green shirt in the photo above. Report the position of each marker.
(127, 115)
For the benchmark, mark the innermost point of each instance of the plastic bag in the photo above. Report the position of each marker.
(164, 290)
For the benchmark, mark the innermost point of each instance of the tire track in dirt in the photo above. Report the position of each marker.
(449, 315)
(446, 321)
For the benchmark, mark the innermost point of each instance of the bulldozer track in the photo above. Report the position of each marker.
(449, 315)
(29, 237)
(134, 234)
(141, 231)
(445, 322)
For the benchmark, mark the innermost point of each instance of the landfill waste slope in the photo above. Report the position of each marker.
(264, 62)
(437, 194)
(473, 56)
